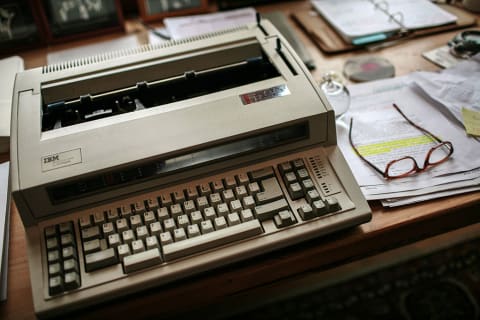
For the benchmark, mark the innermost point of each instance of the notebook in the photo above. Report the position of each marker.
(364, 21)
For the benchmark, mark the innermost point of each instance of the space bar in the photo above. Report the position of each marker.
(210, 240)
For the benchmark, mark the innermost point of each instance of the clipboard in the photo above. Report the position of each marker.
(329, 41)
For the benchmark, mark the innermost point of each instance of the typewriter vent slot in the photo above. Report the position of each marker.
(323, 175)
(95, 59)
(132, 51)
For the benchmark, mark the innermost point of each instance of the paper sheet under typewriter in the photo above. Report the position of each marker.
(142, 167)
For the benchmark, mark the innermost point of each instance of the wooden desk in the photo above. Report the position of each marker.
(389, 228)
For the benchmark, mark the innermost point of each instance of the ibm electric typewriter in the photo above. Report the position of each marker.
(141, 167)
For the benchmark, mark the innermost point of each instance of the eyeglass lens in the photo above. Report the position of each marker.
(439, 153)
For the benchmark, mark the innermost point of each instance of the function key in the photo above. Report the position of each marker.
(55, 285)
(54, 269)
(152, 203)
(217, 186)
(71, 281)
(52, 244)
(191, 193)
(306, 212)
(230, 182)
(319, 208)
(85, 221)
(303, 174)
(50, 231)
(312, 195)
(298, 164)
(65, 227)
(53, 256)
(332, 204)
(178, 196)
(284, 218)
(70, 265)
(91, 233)
(112, 214)
(125, 211)
(98, 218)
(295, 191)
(261, 174)
(285, 167)
(139, 207)
(290, 177)
(307, 185)
(67, 240)
(242, 178)
(69, 253)
(204, 189)
(165, 199)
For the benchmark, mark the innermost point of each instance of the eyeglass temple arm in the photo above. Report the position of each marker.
(358, 153)
(416, 125)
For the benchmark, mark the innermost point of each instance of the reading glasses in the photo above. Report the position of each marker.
(407, 165)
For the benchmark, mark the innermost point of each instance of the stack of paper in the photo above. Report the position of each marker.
(4, 228)
(384, 135)
(9, 67)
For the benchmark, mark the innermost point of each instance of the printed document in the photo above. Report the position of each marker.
(454, 89)
(381, 134)
(190, 26)
(4, 228)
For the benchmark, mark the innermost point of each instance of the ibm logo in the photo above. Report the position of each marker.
(61, 159)
(51, 158)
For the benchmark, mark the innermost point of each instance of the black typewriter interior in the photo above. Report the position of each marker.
(149, 94)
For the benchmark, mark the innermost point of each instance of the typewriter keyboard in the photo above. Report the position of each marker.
(161, 228)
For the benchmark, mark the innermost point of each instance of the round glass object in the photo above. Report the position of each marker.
(337, 94)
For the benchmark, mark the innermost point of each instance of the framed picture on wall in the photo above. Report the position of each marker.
(69, 19)
(151, 10)
(20, 27)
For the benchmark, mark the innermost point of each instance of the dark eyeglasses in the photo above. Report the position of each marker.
(406, 166)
